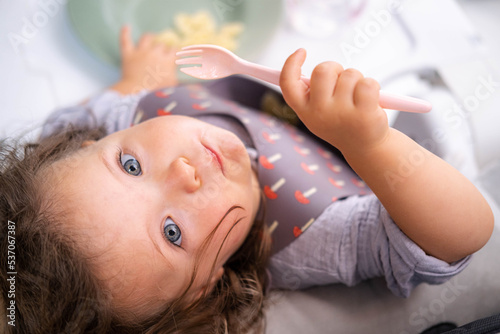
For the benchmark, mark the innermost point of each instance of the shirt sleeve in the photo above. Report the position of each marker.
(353, 240)
(110, 108)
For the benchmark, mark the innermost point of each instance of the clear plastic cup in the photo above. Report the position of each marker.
(321, 18)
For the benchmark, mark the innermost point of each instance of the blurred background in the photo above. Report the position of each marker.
(56, 53)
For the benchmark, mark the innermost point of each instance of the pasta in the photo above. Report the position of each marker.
(200, 28)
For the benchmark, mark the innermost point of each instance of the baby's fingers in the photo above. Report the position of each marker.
(146, 40)
(323, 81)
(294, 89)
(366, 94)
(346, 83)
(126, 43)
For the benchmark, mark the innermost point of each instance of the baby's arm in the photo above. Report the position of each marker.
(146, 66)
(432, 203)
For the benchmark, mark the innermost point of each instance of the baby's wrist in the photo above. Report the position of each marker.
(127, 87)
(369, 147)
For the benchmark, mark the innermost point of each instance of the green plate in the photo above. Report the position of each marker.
(98, 22)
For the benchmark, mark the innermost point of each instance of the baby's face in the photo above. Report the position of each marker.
(146, 198)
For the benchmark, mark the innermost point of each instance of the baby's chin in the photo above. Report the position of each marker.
(229, 145)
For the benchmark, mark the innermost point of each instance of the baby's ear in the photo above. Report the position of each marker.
(207, 289)
(87, 143)
(216, 277)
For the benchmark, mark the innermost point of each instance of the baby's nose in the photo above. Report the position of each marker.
(184, 175)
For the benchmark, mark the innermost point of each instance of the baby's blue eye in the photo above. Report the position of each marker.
(130, 165)
(172, 232)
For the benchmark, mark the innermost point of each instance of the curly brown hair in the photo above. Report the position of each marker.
(55, 288)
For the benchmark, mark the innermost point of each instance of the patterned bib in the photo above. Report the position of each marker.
(298, 173)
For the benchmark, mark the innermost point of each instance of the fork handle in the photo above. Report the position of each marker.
(260, 72)
(386, 100)
(403, 103)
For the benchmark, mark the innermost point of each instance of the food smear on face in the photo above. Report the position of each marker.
(200, 28)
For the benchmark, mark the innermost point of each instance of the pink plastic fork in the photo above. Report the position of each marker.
(217, 62)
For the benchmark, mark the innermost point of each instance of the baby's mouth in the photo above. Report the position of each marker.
(215, 157)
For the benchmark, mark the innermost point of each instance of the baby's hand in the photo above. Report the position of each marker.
(340, 106)
(148, 65)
